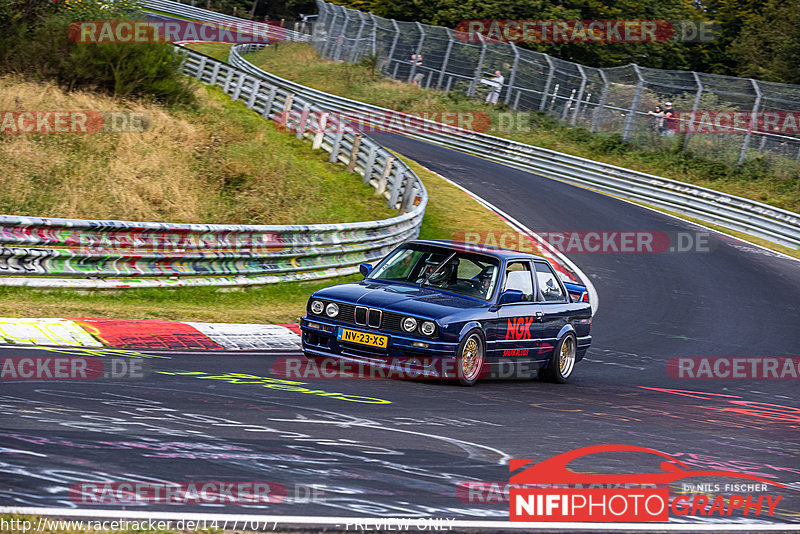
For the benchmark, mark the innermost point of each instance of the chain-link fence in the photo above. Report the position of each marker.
(614, 100)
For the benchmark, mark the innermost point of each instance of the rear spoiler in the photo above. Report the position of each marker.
(577, 292)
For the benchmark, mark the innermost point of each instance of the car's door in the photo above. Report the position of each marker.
(554, 305)
(514, 331)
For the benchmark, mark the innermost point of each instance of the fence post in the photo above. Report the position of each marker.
(477, 77)
(634, 103)
(357, 44)
(340, 39)
(419, 50)
(354, 153)
(374, 34)
(214, 74)
(749, 134)
(694, 109)
(603, 100)
(330, 40)
(580, 94)
(547, 83)
(446, 58)
(287, 110)
(398, 182)
(513, 74)
(394, 45)
(237, 91)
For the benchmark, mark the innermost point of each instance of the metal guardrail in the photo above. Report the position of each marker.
(42, 252)
(196, 13)
(729, 211)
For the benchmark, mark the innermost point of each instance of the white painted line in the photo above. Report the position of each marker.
(274, 521)
(594, 300)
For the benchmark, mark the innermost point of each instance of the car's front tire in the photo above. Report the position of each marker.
(471, 358)
(562, 362)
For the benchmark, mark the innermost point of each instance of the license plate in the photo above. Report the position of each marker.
(362, 338)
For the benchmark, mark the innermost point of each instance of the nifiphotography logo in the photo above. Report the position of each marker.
(639, 497)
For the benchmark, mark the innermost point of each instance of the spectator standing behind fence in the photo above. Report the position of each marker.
(416, 61)
(658, 113)
(670, 120)
(497, 85)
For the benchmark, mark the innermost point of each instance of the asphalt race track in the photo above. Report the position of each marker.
(404, 453)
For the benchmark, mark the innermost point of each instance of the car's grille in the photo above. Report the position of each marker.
(369, 317)
(362, 351)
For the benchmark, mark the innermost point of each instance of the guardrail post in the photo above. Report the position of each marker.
(228, 78)
(373, 151)
(267, 113)
(254, 89)
(419, 50)
(603, 99)
(513, 74)
(393, 47)
(696, 104)
(547, 82)
(337, 142)
(580, 94)
(398, 182)
(387, 169)
(477, 77)
(749, 134)
(238, 89)
(214, 74)
(320, 135)
(446, 57)
(409, 193)
(283, 120)
(634, 103)
(201, 67)
(301, 127)
(351, 165)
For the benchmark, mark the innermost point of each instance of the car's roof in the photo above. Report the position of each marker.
(502, 253)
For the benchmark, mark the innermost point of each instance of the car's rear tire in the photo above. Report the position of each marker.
(471, 358)
(562, 362)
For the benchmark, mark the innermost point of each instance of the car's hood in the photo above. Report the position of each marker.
(412, 300)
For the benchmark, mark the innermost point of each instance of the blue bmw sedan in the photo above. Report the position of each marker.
(454, 310)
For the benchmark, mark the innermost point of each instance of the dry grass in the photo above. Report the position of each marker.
(221, 163)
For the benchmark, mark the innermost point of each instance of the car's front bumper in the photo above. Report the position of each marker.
(320, 338)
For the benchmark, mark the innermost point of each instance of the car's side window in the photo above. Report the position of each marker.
(549, 287)
(518, 276)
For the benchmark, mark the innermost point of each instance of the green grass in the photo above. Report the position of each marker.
(300, 63)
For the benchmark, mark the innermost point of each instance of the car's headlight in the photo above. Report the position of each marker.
(409, 324)
(332, 310)
(317, 307)
(428, 328)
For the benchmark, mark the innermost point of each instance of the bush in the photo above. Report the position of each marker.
(35, 44)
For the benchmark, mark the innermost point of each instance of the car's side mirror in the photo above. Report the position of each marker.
(365, 269)
(511, 295)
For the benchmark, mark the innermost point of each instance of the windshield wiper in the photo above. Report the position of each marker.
(436, 270)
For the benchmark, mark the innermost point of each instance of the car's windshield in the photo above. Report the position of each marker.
(465, 273)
